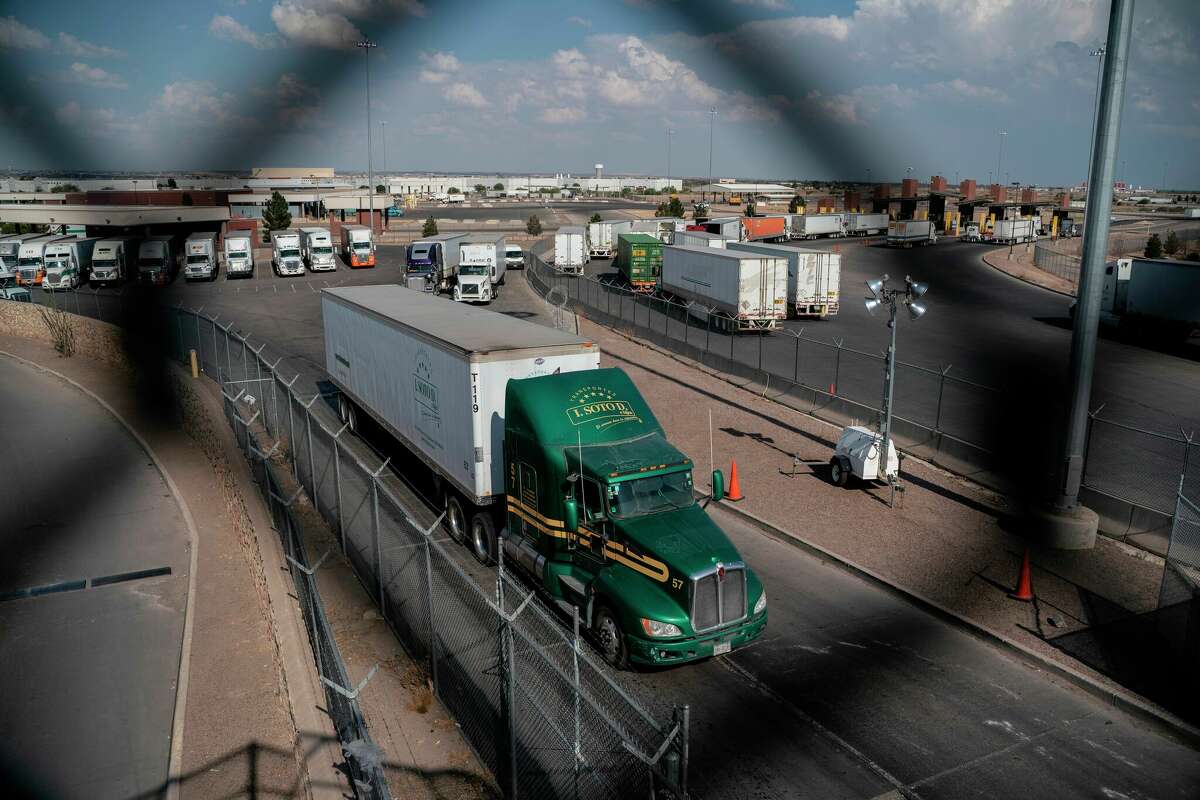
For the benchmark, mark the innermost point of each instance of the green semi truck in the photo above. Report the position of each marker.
(639, 258)
(563, 464)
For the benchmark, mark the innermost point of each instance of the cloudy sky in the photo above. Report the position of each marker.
(802, 88)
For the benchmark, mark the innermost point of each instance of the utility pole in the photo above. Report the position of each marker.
(366, 46)
(712, 118)
(1000, 155)
(670, 133)
(1098, 53)
(1073, 526)
(383, 135)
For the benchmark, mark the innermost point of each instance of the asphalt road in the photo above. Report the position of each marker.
(88, 673)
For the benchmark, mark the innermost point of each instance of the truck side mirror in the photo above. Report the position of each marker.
(718, 485)
(570, 515)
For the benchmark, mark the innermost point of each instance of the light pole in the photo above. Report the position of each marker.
(383, 136)
(1000, 155)
(909, 296)
(712, 118)
(670, 133)
(366, 46)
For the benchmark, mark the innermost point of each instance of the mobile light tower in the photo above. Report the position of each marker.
(860, 452)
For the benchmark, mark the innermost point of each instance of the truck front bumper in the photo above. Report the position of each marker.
(653, 652)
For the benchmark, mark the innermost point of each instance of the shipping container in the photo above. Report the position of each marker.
(639, 258)
(765, 229)
(602, 236)
(570, 249)
(700, 238)
(731, 290)
(814, 277)
(814, 226)
(866, 224)
(909, 232)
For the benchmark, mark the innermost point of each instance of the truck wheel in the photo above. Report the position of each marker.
(609, 638)
(456, 519)
(348, 413)
(483, 538)
(838, 474)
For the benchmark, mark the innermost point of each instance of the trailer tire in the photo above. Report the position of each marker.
(483, 538)
(610, 640)
(839, 471)
(456, 518)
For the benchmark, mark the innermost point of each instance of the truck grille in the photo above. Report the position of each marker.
(717, 602)
(470, 288)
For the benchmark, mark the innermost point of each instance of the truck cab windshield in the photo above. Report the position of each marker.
(197, 259)
(642, 496)
(322, 251)
(362, 247)
(289, 253)
(29, 262)
(474, 269)
(150, 263)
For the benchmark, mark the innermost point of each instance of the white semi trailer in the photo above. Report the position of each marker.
(602, 236)
(1014, 231)
(744, 291)
(910, 232)
(814, 277)
(866, 224)
(698, 239)
(814, 226)
(570, 249)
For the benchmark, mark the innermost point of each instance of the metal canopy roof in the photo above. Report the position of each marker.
(122, 216)
(760, 188)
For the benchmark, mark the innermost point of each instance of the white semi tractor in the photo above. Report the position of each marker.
(316, 248)
(357, 246)
(239, 255)
(68, 263)
(157, 259)
(285, 253)
(481, 269)
(814, 277)
(200, 257)
(31, 259)
(436, 259)
(114, 260)
(10, 253)
(734, 291)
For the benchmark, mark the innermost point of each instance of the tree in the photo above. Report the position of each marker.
(1154, 248)
(499, 187)
(380, 189)
(480, 188)
(594, 218)
(276, 216)
(534, 226)
(751, 210)
(64, 187)
(1193, 256)
(171, 184)
(430, 228)
(453, 190)
(1171, 246)
(675, 208)
(797, 203)
(186, 199)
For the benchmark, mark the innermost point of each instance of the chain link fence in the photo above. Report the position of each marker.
(1062, 258)
(541, 712)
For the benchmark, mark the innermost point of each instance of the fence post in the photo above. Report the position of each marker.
(937, 421)
(508, 669)
(179, 325)
(291, 424)
(837, 366)
(274, 398)
(375, 534)
(337, 483)
(1087, 443)
(433, 670)
(761, 336)
(199, 346)
(796, 363)
(707, 328)
(666, 320)
(575, 664)
(216, 362)
(1187, 451)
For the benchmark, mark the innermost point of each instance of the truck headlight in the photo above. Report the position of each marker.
(761, 605)
(653, 627)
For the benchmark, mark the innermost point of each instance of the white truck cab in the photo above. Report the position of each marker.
(285, 255)
(114, 259)
(481, 268)
(316, 247)
(200, 257)
(68, 263)
(239, 255)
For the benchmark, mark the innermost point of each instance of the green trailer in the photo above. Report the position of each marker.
(639, 258)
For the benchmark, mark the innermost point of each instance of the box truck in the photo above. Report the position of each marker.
(691, 238)
(866, 224)
(480, 269)
(814, 277)
(69, 263)
(1014, 231)
(114, 259)
(316, 248)
(200, 256)
(239, 255)
(602, 236)
(358, 249)
(1153, 297)
(535, 449)
(436, 259)
(570, 249)
(639, 260)
(745, 291)
(285, 253)
(157, 259)
(765, 229)
(814, 226)
(31, 259)
(909, 232)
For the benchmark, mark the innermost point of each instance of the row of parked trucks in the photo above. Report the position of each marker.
(469, 267)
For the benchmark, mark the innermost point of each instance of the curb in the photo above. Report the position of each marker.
(984, 258)
(175, 759)
(1130, 702)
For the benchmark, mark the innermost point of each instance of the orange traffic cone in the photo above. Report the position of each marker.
(735, 489)
(1024, 581)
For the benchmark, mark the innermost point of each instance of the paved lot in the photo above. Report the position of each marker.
(89, 674)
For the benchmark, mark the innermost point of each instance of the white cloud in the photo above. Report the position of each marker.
(653, 67)
(441, 62)
(582, 22)
(961, 89)
(464, 94)
(564, 115)
(429, 76)
(570, 62)
(77, 47)
(228, 29)
(309, 26)
(197, 101)
(771, 5)
(94, 77)
(17, 36)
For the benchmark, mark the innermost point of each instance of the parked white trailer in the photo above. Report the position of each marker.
(285, 253)
(481, 269)
(570, 249)
(814, 277)
(602, 236)
(114, 260)
(698, 239)
(866, 224)
(663, 228)
(239, 255)
(814, 226)
(909, 232)
(200, 257)
(1155, 297)
(728, 228)
(68, 263)
(433, 374)
(316, 248)
(746, 291)
(1014, 231)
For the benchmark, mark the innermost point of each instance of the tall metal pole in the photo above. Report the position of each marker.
(712, 117)
(889, 382)
(1097, 53)
(1000, 155)
(366, 45)
(383, 136)
(670, 133)
(1095, 241)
